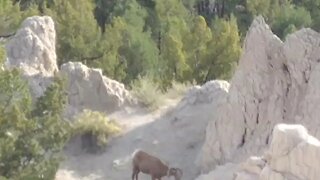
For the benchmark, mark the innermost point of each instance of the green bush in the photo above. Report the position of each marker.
(178, 89)
(147, 92)
(97, 127)
(150, 94)
(30, 142)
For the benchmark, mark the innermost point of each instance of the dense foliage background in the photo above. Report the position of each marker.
(182, 40)
(162, 41)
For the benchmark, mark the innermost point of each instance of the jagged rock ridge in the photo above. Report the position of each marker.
(275, 82)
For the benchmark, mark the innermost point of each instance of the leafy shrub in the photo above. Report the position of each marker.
(30, 142)
(95, 126)
(178, 89)
(147, 92)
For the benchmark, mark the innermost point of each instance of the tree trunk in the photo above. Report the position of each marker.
(159, 42)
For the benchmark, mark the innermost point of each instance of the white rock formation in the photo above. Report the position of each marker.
(275, 82)
(205, 94)
(90, 89)
(293, 155)
(32, 49)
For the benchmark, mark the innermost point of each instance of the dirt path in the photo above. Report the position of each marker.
(173, 136)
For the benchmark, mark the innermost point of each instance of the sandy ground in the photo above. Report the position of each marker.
(175, 135)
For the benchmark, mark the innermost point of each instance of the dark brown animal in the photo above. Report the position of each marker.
(148, 164)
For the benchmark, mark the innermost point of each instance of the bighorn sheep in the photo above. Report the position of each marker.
(148, 164)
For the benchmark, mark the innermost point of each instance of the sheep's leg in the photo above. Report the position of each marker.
(135, 172)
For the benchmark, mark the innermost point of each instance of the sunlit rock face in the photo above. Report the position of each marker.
(275, 82)
(88, 88)
(32, 50)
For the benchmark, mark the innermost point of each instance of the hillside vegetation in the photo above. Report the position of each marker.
(167, 40)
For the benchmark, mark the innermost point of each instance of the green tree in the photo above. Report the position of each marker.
(78, 32)
(290, 18)
(39, 4)
(133, 50)
(138, 50)
(259, 7)
(11, 17)
(30, 143)
(54, 99)
(223, 51)
(111, 61)
(195, 45)
(283, 16)
(173, 18)
(313, 7)
(103, 12)
(174, 57)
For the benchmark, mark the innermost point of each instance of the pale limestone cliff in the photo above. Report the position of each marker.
(208, 93)
(88, 88)
(32, 50)
(275, 82)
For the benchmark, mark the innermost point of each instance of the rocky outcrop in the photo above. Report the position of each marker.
(208, 93)
(32, 50)
(293, 154)
(275, 82)
(88, 88)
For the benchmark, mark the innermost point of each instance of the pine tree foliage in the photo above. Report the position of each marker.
(30, 143)
(11, 16)
(223, 51)
(78, 32)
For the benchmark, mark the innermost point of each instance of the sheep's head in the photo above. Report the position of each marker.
(176, 172)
